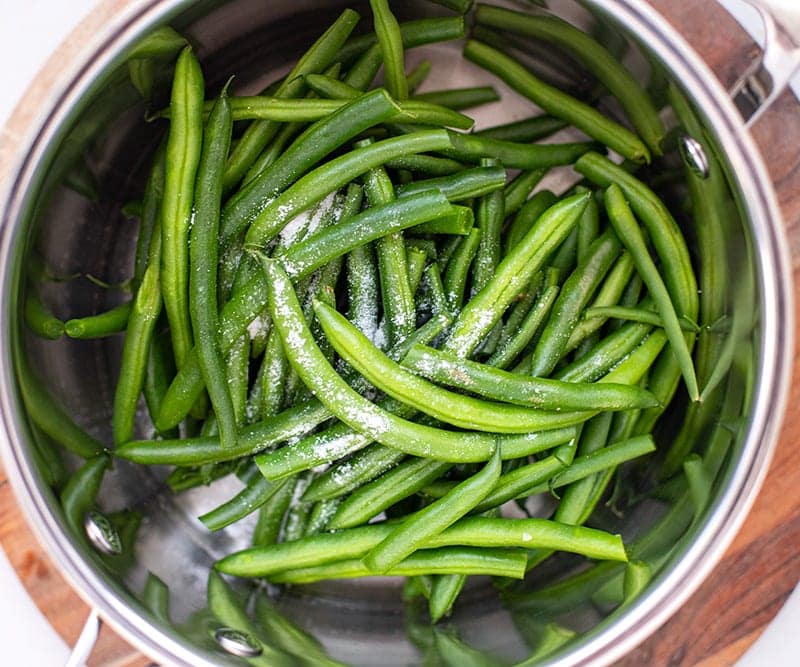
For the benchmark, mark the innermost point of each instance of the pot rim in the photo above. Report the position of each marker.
(609, 641)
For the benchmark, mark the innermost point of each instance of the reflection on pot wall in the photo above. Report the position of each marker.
(85, 252)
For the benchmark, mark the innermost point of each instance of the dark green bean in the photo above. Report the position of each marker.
(317, 59)
(628, 230)
(426, 164)
(527, 215)
(471, 148)
(490, 216)
(307, 150)
(557, 103)
(416, 77)
(466, 184)
(529, 129)
(417, 529)
(573, 297)
(414, 33)
(455, 277)
(508, 349)
(271, 515)
(295, 421)
(460, 98)
(517, 191)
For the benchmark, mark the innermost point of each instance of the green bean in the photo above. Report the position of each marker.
(588, 226)
(408, 388)
(609, 294)
(400, 482)
(521, 390)
(160, 371)
(352, 473)
(565, 258)
(455, 277)
(625, 224)
(101, 325)
(203, 259)
(78, 496)
(135, 350)
(359, 413)
(288, 637)
(318, 58)
(276, 369)
(445, 560)
(362, 289)
(256, 493)
(635, 315)
(228, 610)
(414, 33)
(514, 271)
(574, 294)
(292, 422)
(662, 229)
(390, 40)
(39, 319)
(426, 164)
(471, 148)
(307, 150)
(517, 191)
(182, 158)
(315, 185)
(466, 184)
(397, 298)
(261, 108)
(416, 77)
(529, 129)
(460, 6)
(155, 597)
(490, 218)
(271, 515)
(352, 543)
(417, 258)
(508, 349)
(415, 530)
(592, 55)
(435, 290)
(460, 98)
(363, 71)
(444, 591)
(527, 215)
(150, 214)
(237, 364)
(557, 103)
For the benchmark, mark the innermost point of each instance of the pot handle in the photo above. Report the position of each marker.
(86, 641)
(772, 72)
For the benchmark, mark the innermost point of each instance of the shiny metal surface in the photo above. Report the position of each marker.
(355, 620)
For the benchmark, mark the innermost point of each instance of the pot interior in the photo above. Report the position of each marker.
(73, 251)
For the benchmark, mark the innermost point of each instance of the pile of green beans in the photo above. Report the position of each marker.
(384, 324)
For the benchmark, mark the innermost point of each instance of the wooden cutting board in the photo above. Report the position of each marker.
(743, 593)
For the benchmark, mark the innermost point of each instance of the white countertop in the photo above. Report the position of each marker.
(31, 29)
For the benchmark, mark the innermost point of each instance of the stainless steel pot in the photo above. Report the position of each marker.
(94, 113)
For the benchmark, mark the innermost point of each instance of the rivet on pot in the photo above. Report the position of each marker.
(103, 536)
(694, 155)
(237, 642)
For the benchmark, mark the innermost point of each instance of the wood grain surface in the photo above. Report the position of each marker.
(758, 572)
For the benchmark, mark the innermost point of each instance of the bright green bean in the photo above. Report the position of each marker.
(417, 529)
(517, 191)
(390, 40)
(460, 98)
(101, 325)
(182, 159)
(521, 390)
(456, 275)
(527, 215)
(513, 273)
(466, 184)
